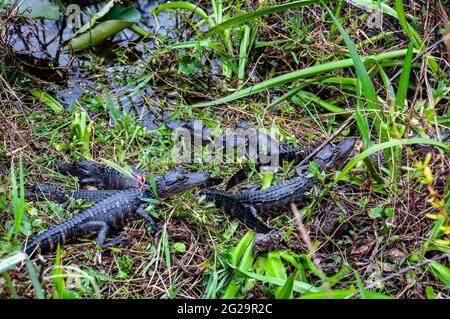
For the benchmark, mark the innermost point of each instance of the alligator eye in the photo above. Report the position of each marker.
(181, 177)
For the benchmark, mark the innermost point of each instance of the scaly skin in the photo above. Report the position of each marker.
(273, 200)
(113, 212)
(45, 191)
(93, 174)
(287, 153)
(201, 132)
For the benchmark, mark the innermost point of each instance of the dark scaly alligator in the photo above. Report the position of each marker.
(97, 175)
(198, 131)
(112, 212)
(273, 200)
(40, 191)
(93, 174)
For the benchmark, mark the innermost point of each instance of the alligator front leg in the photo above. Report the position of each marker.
(141, 212)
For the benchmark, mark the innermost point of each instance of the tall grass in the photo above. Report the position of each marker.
(17, 202)
(17, 198)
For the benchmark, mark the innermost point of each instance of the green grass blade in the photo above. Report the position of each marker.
(442, 273)
(361, 117)
(298, 286)
(125, 171)
(413, 35)
(378, 147)
(310, 97)
(183, 5)
(8, 280)
(166, 247)
(296, 75)
(34, 280)
(244, 18)
(409, 31)
(17, 200)
(243, 56)
(11, 261)
(404, 80)
(288, 288)
(363, 75)
(48, 100)
(399, 14)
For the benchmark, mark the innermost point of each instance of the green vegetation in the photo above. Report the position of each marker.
(377, 228)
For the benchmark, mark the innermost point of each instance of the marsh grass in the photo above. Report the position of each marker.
(305, 67)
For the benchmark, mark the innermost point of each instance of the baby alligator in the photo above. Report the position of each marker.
(97, 175)
(239, 139)
(93, 174)
(273, 200)
(63, 197)
(112, 212)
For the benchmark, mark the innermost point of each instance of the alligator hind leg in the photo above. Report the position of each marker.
(141, 212)
(99, 226)
(247, 214)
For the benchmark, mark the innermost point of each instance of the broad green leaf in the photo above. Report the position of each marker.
(98, 33)
(429, 292)
(287, 290)
(298, 286)
(442, 273)
(242, 258)
(106, 23)
(48, 100)
(179, 247)
(35, 9)
(275, 268)
(240, 248)
(88, 25)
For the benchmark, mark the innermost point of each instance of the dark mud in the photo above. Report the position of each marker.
(38, 47)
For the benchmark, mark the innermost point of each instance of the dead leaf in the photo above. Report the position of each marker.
(396, 254)
(362, 249)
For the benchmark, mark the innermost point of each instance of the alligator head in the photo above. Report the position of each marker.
(81, 168)
(332, 157)
(179, 181)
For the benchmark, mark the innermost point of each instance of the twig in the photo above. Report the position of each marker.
(430, 48)
(406, 269)
(311, 249)
(400, 272)
(328, 140)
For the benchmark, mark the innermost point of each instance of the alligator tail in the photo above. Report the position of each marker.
(214, 195)
(48, 240)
